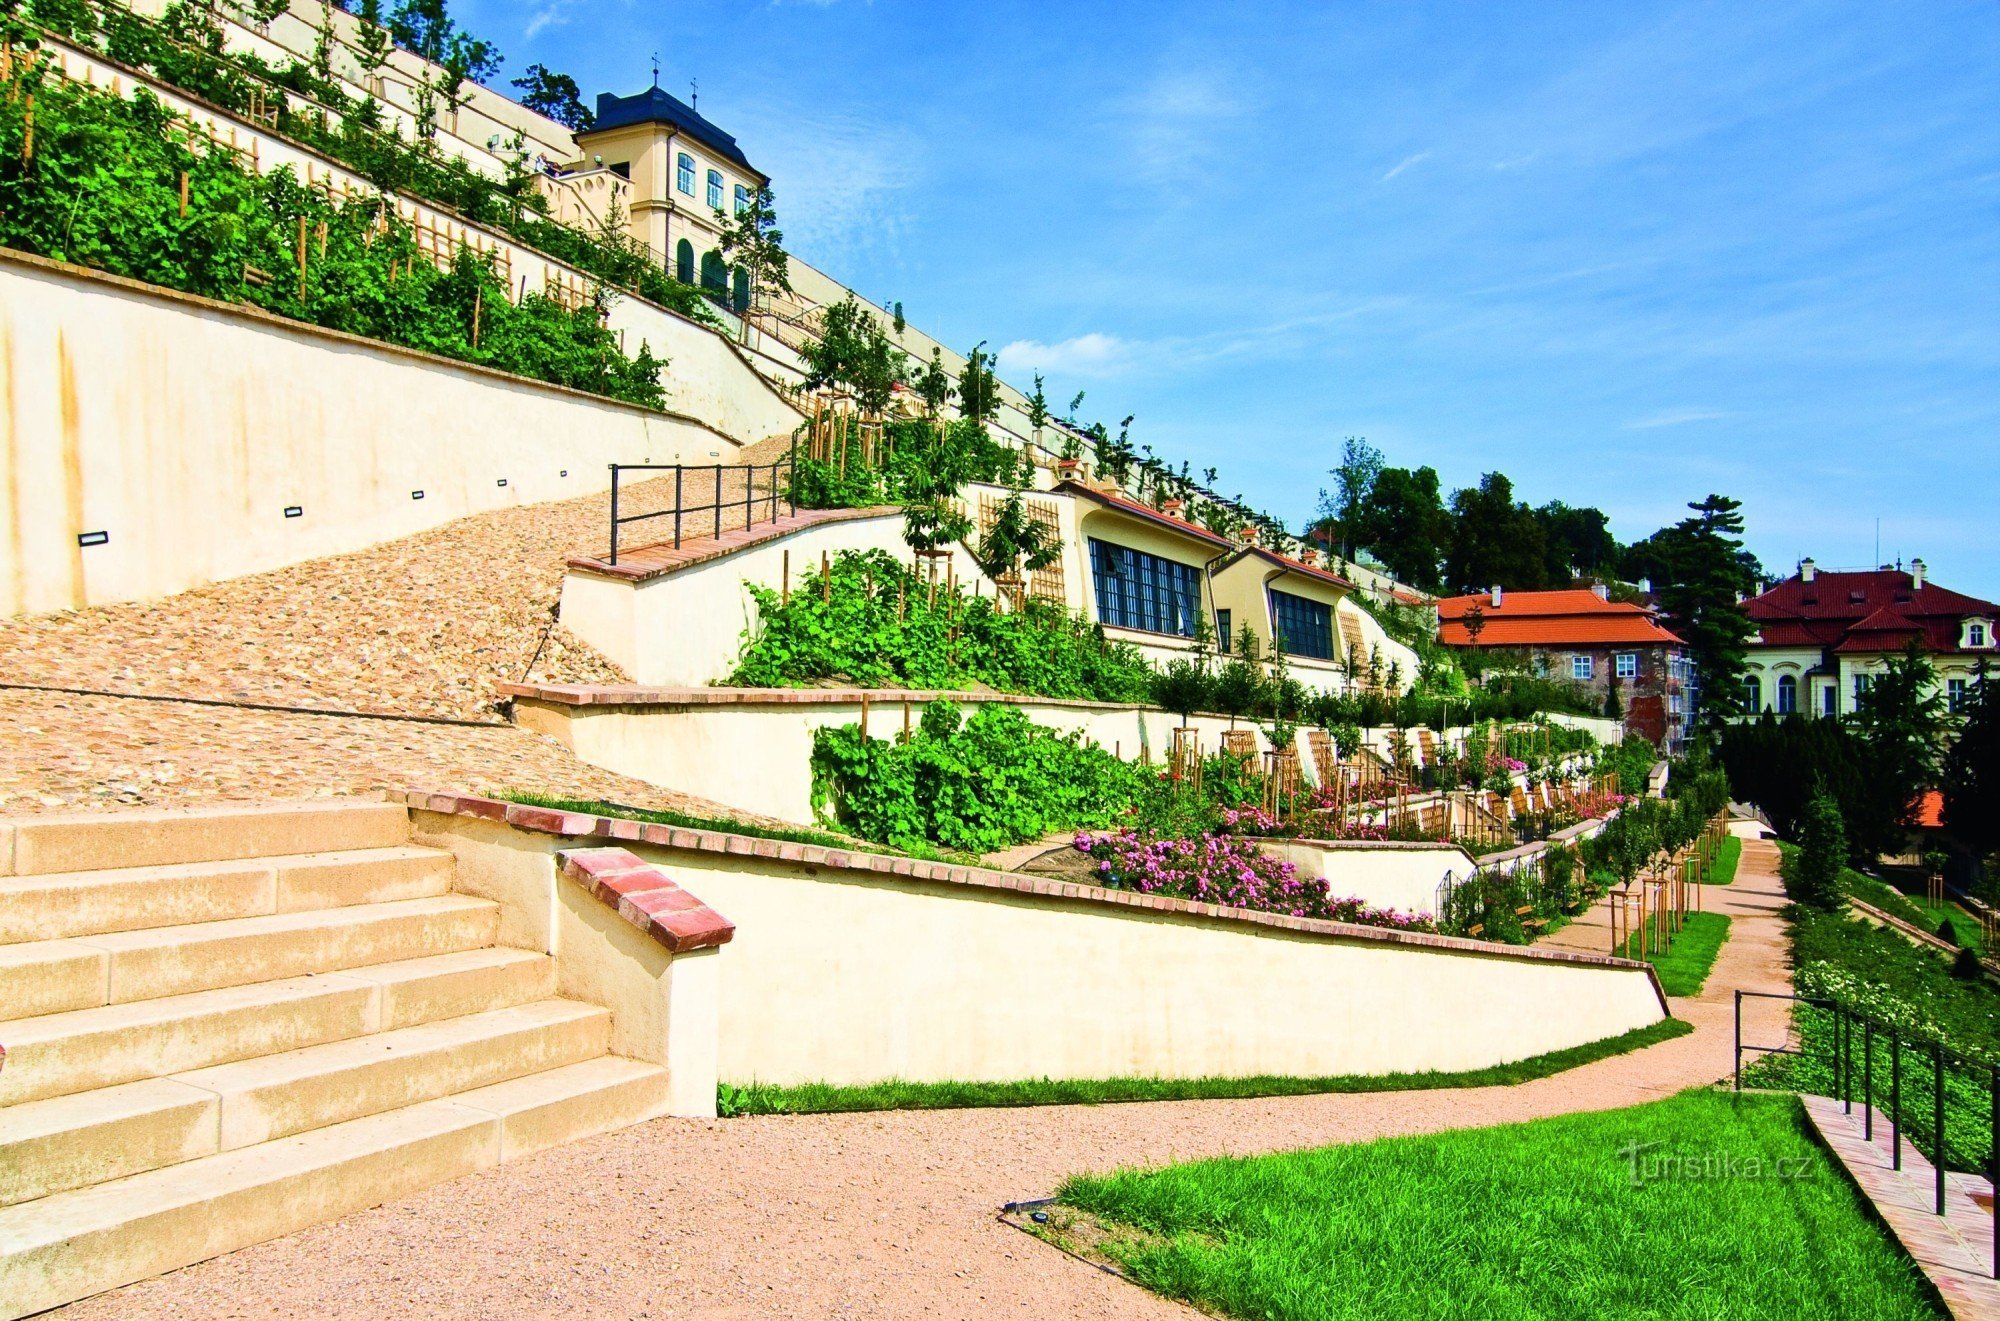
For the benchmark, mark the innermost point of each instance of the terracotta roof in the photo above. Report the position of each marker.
(1299, 567)
(1567, 618)
(1929, 813)
(1877, 610)
(1147, 512)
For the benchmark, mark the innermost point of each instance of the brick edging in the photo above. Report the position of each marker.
(728, 543)
(585, 825)
(647, 897)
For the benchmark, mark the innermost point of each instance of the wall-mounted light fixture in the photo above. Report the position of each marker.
(416, 495)
(295, 511)
(92, 538)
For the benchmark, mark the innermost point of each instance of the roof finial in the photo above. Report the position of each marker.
(694, 93)
(656, 70)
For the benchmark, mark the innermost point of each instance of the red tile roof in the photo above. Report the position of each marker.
(1567, 618)
(1878, 610)
(1929, 814)
(1138, 510)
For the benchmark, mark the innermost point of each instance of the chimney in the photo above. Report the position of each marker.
(1807, 569)
(1917, 572)
(1172, 508)
(1600, 591)
(1248, 534)
(1496, 596)
(1309, 557)
(1645, 586)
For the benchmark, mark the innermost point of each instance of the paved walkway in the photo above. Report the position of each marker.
(874, 1215)
(1956, 1250)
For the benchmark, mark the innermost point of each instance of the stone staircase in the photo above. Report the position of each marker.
(223, 1026)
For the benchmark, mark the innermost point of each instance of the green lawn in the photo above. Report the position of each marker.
(1726, 858)
(820, 1098)
(1917, 909)
(1544, 1219)
(1690, 954)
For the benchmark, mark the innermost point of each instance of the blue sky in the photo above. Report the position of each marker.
(1627, 254)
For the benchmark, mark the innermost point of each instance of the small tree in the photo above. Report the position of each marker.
(1186, 685)
(1814, 877)
(934, 384)
(554, 95)
(978, 389)
(856, 354)
(1015, 541)
(752, 242)
(1972, 772)
(1038, 409)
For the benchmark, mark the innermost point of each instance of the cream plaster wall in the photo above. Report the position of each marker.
(183, 429)
(848, 977)
(687, 628)
(1404, 877)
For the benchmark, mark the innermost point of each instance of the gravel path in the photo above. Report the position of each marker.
(877, 1215)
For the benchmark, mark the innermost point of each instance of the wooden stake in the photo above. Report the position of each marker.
(864, 715)
(184, 194)
(302, 259)
(28, 137)
(478, 301)
(785, 580)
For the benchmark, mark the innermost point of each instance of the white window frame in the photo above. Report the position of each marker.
(1582, 668)
(684, 174)
(1975, 634)
(742, 196)
(1626, 665)
(1957, 692)
(715, 190)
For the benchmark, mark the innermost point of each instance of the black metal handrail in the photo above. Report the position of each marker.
(780, 494)
(1844, 1023)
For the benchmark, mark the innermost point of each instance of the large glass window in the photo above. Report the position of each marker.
(684, 174)
(1581, 668)
(1955, 696)
(1788, 694)
(1137, 590)
(714, 272)
(715, 189)
(1753, 694)
(1627, 665)
(742, 199)
(1304, 628)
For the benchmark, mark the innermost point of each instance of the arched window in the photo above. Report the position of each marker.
(1753, 694)
(715, 189)
(1788, 694)
(714, 272)
(742, 199)
(684, 174)
(684, 262)
(740, 297)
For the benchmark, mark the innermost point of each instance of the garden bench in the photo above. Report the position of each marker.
(1526, 913)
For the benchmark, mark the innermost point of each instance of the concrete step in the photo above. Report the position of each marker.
(166, 837)
(275, 1096)
(83, 1049)
(86, 903)
(68, 1246)
(63, 1142)
(165, 961)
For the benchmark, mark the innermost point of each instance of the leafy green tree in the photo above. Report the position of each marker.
(1902, 721)
(1038, 407)
(933, 384)
(978, 389)
(1575, 541)
(1342, 509)
(1701, 587)
(752, 242)
(1015, 541)
(1494, 540)
(1405, 524)
(555, 95)
(1971, 780)
(854, 353)
(1814, 876)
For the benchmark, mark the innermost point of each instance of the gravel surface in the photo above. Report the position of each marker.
(876, 1215)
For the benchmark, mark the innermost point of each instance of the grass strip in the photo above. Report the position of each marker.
(1702, 1204)
(667, 816)
(824, 1098)
(1726, 857)
(1690, 954)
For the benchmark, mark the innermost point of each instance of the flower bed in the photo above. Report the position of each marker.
(1229, 870)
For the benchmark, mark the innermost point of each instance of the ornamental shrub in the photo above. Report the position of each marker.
(871, 621)
(1813, 874)
(975, 785)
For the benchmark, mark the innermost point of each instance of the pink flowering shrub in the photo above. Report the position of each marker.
(1228, 870)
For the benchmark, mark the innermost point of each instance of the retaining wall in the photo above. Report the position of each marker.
(853, 968)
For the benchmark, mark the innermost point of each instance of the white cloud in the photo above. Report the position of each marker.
(554, 14)
(839, 178)
(1181, 117)
(1405, 164)
(1094, 354)
(1674, 417)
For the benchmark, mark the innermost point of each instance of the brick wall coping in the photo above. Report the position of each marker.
(587, 826)
(647, 897)
(643, 563)
(587, 694)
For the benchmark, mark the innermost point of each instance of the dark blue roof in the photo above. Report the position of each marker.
(654, 106)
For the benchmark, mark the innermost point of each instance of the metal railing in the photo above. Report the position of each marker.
(702, 497)
(1941, 1064)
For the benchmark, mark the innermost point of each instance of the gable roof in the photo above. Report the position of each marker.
(1566, 618)
(1875, 610)
(1147, 512)
(654, 106)
(1290, 565)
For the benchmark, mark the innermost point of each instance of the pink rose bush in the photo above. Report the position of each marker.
(1229, 870)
